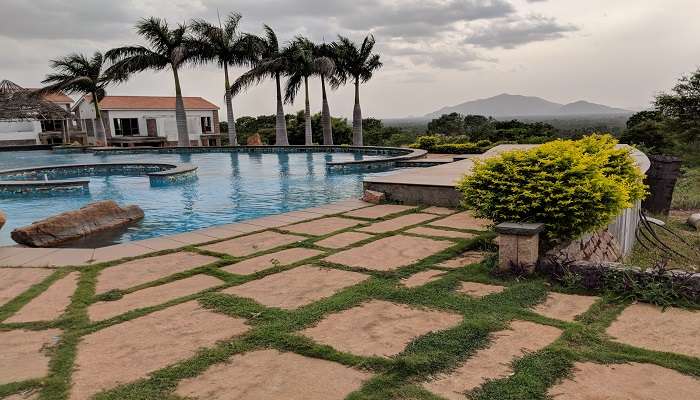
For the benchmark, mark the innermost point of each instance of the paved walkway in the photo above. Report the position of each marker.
(348, 299)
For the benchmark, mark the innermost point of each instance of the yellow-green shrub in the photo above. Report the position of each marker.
(573, 187)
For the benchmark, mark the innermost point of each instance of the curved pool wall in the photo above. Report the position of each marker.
(390, 156)
(233, 184)
(53, 178)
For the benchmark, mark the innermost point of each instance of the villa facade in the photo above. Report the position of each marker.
(150, 120)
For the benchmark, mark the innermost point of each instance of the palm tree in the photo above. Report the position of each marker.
(227, 47)
(169, 48)
(273, 64)
(326, 50)
(357, 64)
(78, 74)
(303, 63)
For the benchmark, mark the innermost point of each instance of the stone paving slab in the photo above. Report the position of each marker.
(129, 351)
(119, 251)
(389, 253)
(160, 244)
(463, 220)
(494, 361)
(144, 270)
(426, 231)
(422, 278)
(475, 289)
(297, 287)
(342, 240)
(633, 381)
(439, 210)
(270, 374)
(218, 232)
(673, 330)
(323, 226)
(272, 221)
(63, 258)
(31, 395)
(50, 304)
(192, 238)
(379, 211)
(251, 244)
(565, 306)
(23, 354)
(24, 257)
(467, 258)
(15, 281)
(378, 328)
(265, 261)
(397, 223)
(152, 296)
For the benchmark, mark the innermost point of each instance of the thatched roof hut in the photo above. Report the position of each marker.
(18, 103)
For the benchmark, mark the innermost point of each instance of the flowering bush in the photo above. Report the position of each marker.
(573, 187)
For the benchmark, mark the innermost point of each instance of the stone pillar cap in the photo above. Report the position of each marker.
(519, 229)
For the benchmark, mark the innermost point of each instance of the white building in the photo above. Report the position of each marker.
(150, 120)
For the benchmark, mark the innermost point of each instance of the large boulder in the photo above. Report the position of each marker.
(72, 225)
(693, 220)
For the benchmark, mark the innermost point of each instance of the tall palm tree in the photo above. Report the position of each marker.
(273, 64)
(303, 63)
(358, 64)
(227, 47)
(168, 48)
(326, 50)
(78, 74)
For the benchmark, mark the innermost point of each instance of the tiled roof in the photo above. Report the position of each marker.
(152, 103)
(59, 97)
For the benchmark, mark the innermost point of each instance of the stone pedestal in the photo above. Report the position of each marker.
(518, 245)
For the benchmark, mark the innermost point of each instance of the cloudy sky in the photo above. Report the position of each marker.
(435, 52)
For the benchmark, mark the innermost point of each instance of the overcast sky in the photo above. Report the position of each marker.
(435, 52)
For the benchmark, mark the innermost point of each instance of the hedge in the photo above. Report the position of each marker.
(573, 187)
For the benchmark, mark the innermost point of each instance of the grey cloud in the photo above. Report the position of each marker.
(512, 33)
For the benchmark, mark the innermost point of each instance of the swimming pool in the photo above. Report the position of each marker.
(229, 187)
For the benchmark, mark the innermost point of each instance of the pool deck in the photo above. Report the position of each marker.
(345, 299)
(17, 256)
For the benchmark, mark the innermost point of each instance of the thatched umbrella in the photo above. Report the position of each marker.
(20, 104)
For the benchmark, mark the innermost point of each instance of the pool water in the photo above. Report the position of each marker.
(229, 187)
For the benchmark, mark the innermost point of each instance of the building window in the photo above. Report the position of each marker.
(206, 124)
(126, 126)
(52, 125)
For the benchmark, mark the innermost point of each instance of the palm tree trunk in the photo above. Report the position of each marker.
(308, 133)
(100, 135)
(183, 137)
(357, 117)
(232, 136)
(326, 116)
(281, 126)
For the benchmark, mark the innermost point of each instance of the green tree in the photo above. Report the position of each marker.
(682, 107)
(357, 64)
(273, 64)
(226, 46)
(646, 115)
(168, 48)
(326, 50)
(447, 124)
(304, 62)
(78, 74)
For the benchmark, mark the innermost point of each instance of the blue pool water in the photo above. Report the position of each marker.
(229, 187)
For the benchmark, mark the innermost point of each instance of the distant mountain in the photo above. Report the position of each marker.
(509, 105)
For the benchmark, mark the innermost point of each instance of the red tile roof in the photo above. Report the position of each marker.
(152, 103)
(58, 97)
